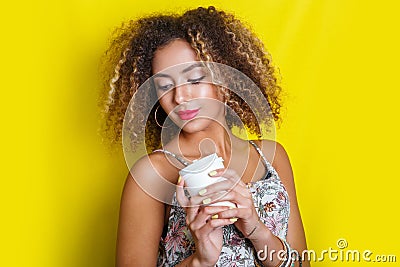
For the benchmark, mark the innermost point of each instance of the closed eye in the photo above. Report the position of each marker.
(165, 87)
(196, 81)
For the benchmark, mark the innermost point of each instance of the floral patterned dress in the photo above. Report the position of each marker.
(272, 204)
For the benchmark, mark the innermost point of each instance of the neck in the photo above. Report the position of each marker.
(217, 138)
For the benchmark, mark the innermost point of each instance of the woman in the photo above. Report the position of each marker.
(177, 229)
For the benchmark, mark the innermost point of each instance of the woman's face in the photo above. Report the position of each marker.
(183, 87)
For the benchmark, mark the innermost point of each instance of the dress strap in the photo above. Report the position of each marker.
(181, 160)
(263, 158)
(185, 163)
(270, 168)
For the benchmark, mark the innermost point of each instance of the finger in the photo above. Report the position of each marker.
(180, 194)
(228, 174)
(207, 199)
(190, 210)
(196, 200)
(191, 214)
(215, 223)
(226, 185)
(231, 196)
(204, 215)
(212, 225)
(242, 213)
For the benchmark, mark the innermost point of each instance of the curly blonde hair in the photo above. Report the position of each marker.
(216, 36)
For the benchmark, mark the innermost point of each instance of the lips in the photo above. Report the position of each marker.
(188, 114)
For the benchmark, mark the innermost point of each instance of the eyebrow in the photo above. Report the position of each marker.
(161, 75)
(195, 65)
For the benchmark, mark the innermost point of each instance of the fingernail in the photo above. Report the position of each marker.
(215, 216)
(212, 173)
(233, 219)
(202, 191)
(207, 201)
(179, 179)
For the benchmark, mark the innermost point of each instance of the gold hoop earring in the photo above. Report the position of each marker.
(155, 117)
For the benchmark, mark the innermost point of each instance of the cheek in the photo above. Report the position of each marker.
(209, 91)
(165, 100)
(212, 108)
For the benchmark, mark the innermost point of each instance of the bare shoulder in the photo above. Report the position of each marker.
(156, 176)
(148, 187)
(279, 159)
(155, 165)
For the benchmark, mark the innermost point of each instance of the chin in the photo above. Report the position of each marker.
(196, 125)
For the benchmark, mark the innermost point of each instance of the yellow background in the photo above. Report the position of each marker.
(60, 187)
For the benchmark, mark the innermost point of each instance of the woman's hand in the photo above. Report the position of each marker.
(233, 190)
(206, 228)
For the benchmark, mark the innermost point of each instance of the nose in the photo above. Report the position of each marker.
(182, 93)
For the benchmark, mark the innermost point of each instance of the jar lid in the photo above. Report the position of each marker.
(200, 165)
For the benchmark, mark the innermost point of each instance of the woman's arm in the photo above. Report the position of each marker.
(296, 237)
(140, 223)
